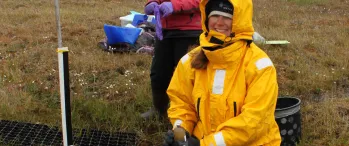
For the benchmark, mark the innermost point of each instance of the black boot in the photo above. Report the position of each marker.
(160, 105)
(160, 102)
(148, 114)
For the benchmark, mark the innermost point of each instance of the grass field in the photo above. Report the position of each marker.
(109, 91)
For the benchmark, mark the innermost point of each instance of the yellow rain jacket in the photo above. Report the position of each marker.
(232, 101)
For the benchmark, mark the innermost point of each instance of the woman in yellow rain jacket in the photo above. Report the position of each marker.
(224, 92)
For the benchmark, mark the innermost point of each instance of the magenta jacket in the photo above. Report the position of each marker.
(185, 16)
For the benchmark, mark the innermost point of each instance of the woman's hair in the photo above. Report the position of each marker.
(200, 60)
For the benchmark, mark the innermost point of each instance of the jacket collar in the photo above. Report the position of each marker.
(228, 54)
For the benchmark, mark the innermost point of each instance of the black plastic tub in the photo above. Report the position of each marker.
(288, 118)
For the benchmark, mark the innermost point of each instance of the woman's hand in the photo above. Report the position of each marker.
(188, 141)
(166, 9)
(149, 8)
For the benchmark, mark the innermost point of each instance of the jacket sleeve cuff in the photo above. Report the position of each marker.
(176, 6)
(214, 139)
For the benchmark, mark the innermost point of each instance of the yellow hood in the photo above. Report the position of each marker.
(242, 28)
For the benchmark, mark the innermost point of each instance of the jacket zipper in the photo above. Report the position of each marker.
(234, 109)
(198, 108)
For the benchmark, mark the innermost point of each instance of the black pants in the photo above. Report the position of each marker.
(167, 54)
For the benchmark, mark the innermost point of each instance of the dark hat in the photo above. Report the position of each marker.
(219, 7)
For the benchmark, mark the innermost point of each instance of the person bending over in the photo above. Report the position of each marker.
(181, 23)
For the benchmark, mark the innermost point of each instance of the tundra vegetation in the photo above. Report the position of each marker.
(110, 90)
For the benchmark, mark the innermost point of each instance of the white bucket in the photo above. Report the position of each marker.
(126, 20)
(129, 18)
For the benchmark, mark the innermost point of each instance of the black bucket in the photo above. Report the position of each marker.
(288, 118)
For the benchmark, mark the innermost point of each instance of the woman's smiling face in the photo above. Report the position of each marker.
(220, 24)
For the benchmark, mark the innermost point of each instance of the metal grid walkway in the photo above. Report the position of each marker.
(16, 133)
